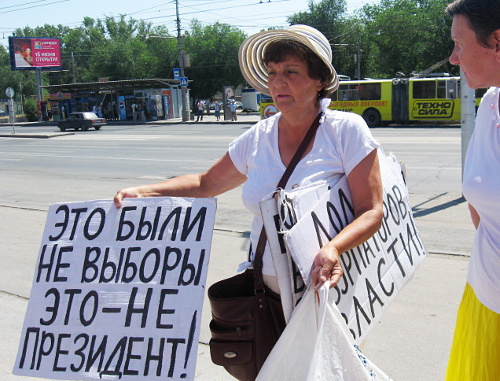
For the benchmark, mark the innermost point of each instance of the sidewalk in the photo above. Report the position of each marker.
(411, 342)
(46, 130)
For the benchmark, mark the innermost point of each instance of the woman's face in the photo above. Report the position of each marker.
(291, 87)
(481, 65)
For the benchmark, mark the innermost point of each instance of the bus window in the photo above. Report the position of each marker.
(441, 89)
(370, 91)
(346, 92)
(335, 95)
(424, 89)
(452, 89)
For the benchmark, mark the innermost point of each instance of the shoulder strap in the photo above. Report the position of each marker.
(257, 262)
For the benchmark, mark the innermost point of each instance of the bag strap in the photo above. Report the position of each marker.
(257, 262)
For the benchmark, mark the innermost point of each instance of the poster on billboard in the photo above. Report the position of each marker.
(30, 53)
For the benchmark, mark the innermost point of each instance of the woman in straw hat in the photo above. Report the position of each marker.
(294, 67)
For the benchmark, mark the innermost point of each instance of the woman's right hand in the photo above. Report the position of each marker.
(131, 192)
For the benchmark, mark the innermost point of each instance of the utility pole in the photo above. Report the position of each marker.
(39, 91)
(357, 60)
(73, 71)
(184, 110)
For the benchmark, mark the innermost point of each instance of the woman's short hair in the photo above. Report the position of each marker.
(279, 51)
(483, 17)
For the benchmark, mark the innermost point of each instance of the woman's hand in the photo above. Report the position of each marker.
(327, 266)
(132, 192)
(365, 186)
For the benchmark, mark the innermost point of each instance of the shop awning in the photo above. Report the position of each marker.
(125, 84)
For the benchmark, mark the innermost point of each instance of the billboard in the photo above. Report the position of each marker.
(30, 53)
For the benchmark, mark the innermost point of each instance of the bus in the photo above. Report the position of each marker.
(398, 100)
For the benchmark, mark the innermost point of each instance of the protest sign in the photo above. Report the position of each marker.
(375, 271)
(289, 281)
(276, 222)
(118, 293)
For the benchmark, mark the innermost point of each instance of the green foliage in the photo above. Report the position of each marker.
(406, 35)
(213, 51)
(30, 110)
(23, 82)
(391, 36)
(328, 16)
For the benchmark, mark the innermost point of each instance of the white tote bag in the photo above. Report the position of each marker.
(317, 346)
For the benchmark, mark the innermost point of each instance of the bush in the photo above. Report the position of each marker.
(30, 110)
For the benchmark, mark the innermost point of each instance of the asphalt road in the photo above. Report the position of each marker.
(95, 164)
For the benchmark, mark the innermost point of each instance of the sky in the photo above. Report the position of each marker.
(251, 16)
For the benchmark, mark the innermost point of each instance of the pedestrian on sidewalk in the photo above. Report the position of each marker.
(200, 107)
(111, 115)
(475, 352)
(134, 112)
(217, 110)
(232, 107)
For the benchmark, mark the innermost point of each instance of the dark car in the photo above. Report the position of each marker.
(81, 121)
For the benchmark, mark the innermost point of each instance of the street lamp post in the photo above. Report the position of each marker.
(185, 110)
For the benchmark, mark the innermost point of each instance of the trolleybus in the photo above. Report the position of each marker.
(398, 100)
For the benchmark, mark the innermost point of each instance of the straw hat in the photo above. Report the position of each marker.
(252, 51)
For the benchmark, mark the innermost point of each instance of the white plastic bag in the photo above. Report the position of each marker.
(317, 346)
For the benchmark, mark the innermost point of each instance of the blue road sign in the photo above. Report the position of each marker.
(177, 73)
(184, 81)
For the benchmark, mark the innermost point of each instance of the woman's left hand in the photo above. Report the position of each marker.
(327, 266)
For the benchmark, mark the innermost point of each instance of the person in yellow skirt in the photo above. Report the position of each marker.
(475, 352)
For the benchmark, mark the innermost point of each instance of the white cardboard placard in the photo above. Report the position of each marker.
(375, 271)
(118, 293)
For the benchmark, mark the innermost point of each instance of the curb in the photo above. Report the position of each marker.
(36, 136)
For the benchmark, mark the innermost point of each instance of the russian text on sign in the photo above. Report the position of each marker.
(118, 293)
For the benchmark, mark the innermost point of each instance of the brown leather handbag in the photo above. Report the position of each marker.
(247, 317)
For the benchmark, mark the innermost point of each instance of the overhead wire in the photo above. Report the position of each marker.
(30, 7)
(188, 8)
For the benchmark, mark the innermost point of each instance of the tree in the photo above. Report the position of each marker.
(125, 52)
(30, 110)
(22, 81)
(114, 48)
(406, 35)
(213, 51)
(328, 16)
(391, 36)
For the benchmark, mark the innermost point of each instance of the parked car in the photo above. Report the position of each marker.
(81, 121)
(2, 113)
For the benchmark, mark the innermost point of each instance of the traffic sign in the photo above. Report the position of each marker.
(177, 73)
(184, 81)
(9, 91)
(269, 111)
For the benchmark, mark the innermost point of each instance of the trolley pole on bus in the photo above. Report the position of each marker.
(468, 115)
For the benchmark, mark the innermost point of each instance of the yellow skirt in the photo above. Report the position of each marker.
(475, 353)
